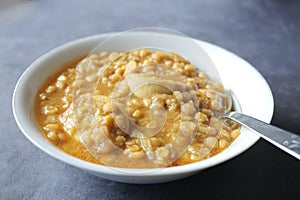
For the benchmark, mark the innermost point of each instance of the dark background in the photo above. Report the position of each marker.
(266, 33)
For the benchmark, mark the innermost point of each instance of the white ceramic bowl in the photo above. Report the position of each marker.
(250, 88)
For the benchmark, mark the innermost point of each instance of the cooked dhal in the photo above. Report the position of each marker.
(194, 109)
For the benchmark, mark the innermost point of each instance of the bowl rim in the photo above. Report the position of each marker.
(64, 157)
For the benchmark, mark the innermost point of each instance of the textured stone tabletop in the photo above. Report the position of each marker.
(266, 33)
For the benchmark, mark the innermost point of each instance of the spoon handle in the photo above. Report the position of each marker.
(287, 141)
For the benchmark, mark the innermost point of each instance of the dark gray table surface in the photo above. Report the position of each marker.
(266, 33)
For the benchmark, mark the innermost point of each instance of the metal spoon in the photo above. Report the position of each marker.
(287, 141)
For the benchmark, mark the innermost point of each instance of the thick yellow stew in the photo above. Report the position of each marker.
(189, 98)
